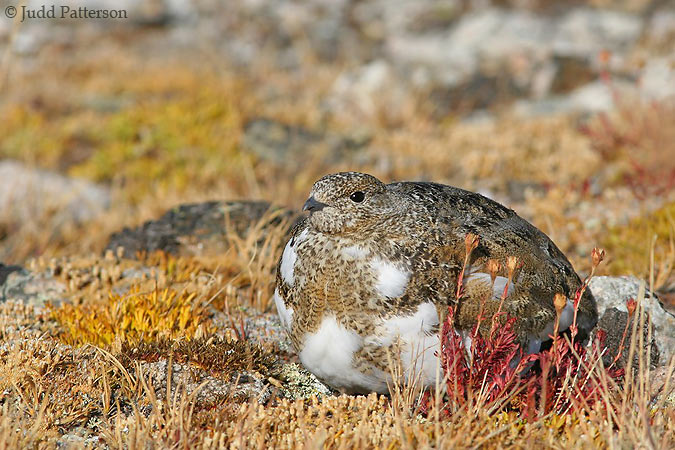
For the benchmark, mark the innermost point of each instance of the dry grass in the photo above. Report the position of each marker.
(114, 395)
(177, 421)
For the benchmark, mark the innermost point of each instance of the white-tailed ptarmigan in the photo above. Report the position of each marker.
(373, 269)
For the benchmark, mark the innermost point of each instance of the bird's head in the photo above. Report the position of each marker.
(347, 202)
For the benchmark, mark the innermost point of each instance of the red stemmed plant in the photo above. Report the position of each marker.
(495, 373)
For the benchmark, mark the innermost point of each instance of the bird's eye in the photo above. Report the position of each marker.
(357, 196)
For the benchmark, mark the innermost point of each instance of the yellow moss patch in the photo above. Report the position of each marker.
(134, 317)
(628, 246)
(168, 142)
(161, 134)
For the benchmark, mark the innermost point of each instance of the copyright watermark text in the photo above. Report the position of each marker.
(24, 13)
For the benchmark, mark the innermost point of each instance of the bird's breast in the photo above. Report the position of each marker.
(348, 274)
(331, 275)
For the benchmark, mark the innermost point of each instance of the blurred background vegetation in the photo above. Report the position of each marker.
(561, 110)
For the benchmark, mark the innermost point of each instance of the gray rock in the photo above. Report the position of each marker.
(614, 292)
(491, 35)
(593, 97)
(266, 328)
(32, 288)
(661, 27)
(291, 145)
(27, 194)
(661, 394)
(198, 228)
(658, 79)
(367, 90)
(587, 31)
(242, 386)
(6, 270)
(296, 383)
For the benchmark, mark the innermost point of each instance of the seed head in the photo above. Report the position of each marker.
(597, 255)
(559, 301)
(493, 267)
(630, 306)
(512, 265)
(470, 242)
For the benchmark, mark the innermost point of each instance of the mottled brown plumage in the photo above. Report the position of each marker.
(366, 269)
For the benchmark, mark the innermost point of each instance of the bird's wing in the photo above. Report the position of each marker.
(544, 270)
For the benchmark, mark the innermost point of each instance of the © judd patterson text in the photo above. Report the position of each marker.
(24, 13)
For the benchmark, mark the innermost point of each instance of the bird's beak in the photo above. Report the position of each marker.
(312, 205)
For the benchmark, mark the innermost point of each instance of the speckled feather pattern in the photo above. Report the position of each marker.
(367, 263)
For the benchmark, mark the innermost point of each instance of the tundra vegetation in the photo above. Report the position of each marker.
(181, 349)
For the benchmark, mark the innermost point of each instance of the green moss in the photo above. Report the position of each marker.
(30, 136)
(167, 142)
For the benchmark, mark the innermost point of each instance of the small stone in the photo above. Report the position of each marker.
(661, 377)
(186, 379)
(298, 383)
(5, 270)
(613, 323)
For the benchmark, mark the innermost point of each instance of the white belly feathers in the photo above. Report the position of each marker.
(328, 353)
(285, 313)
(417, 335)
